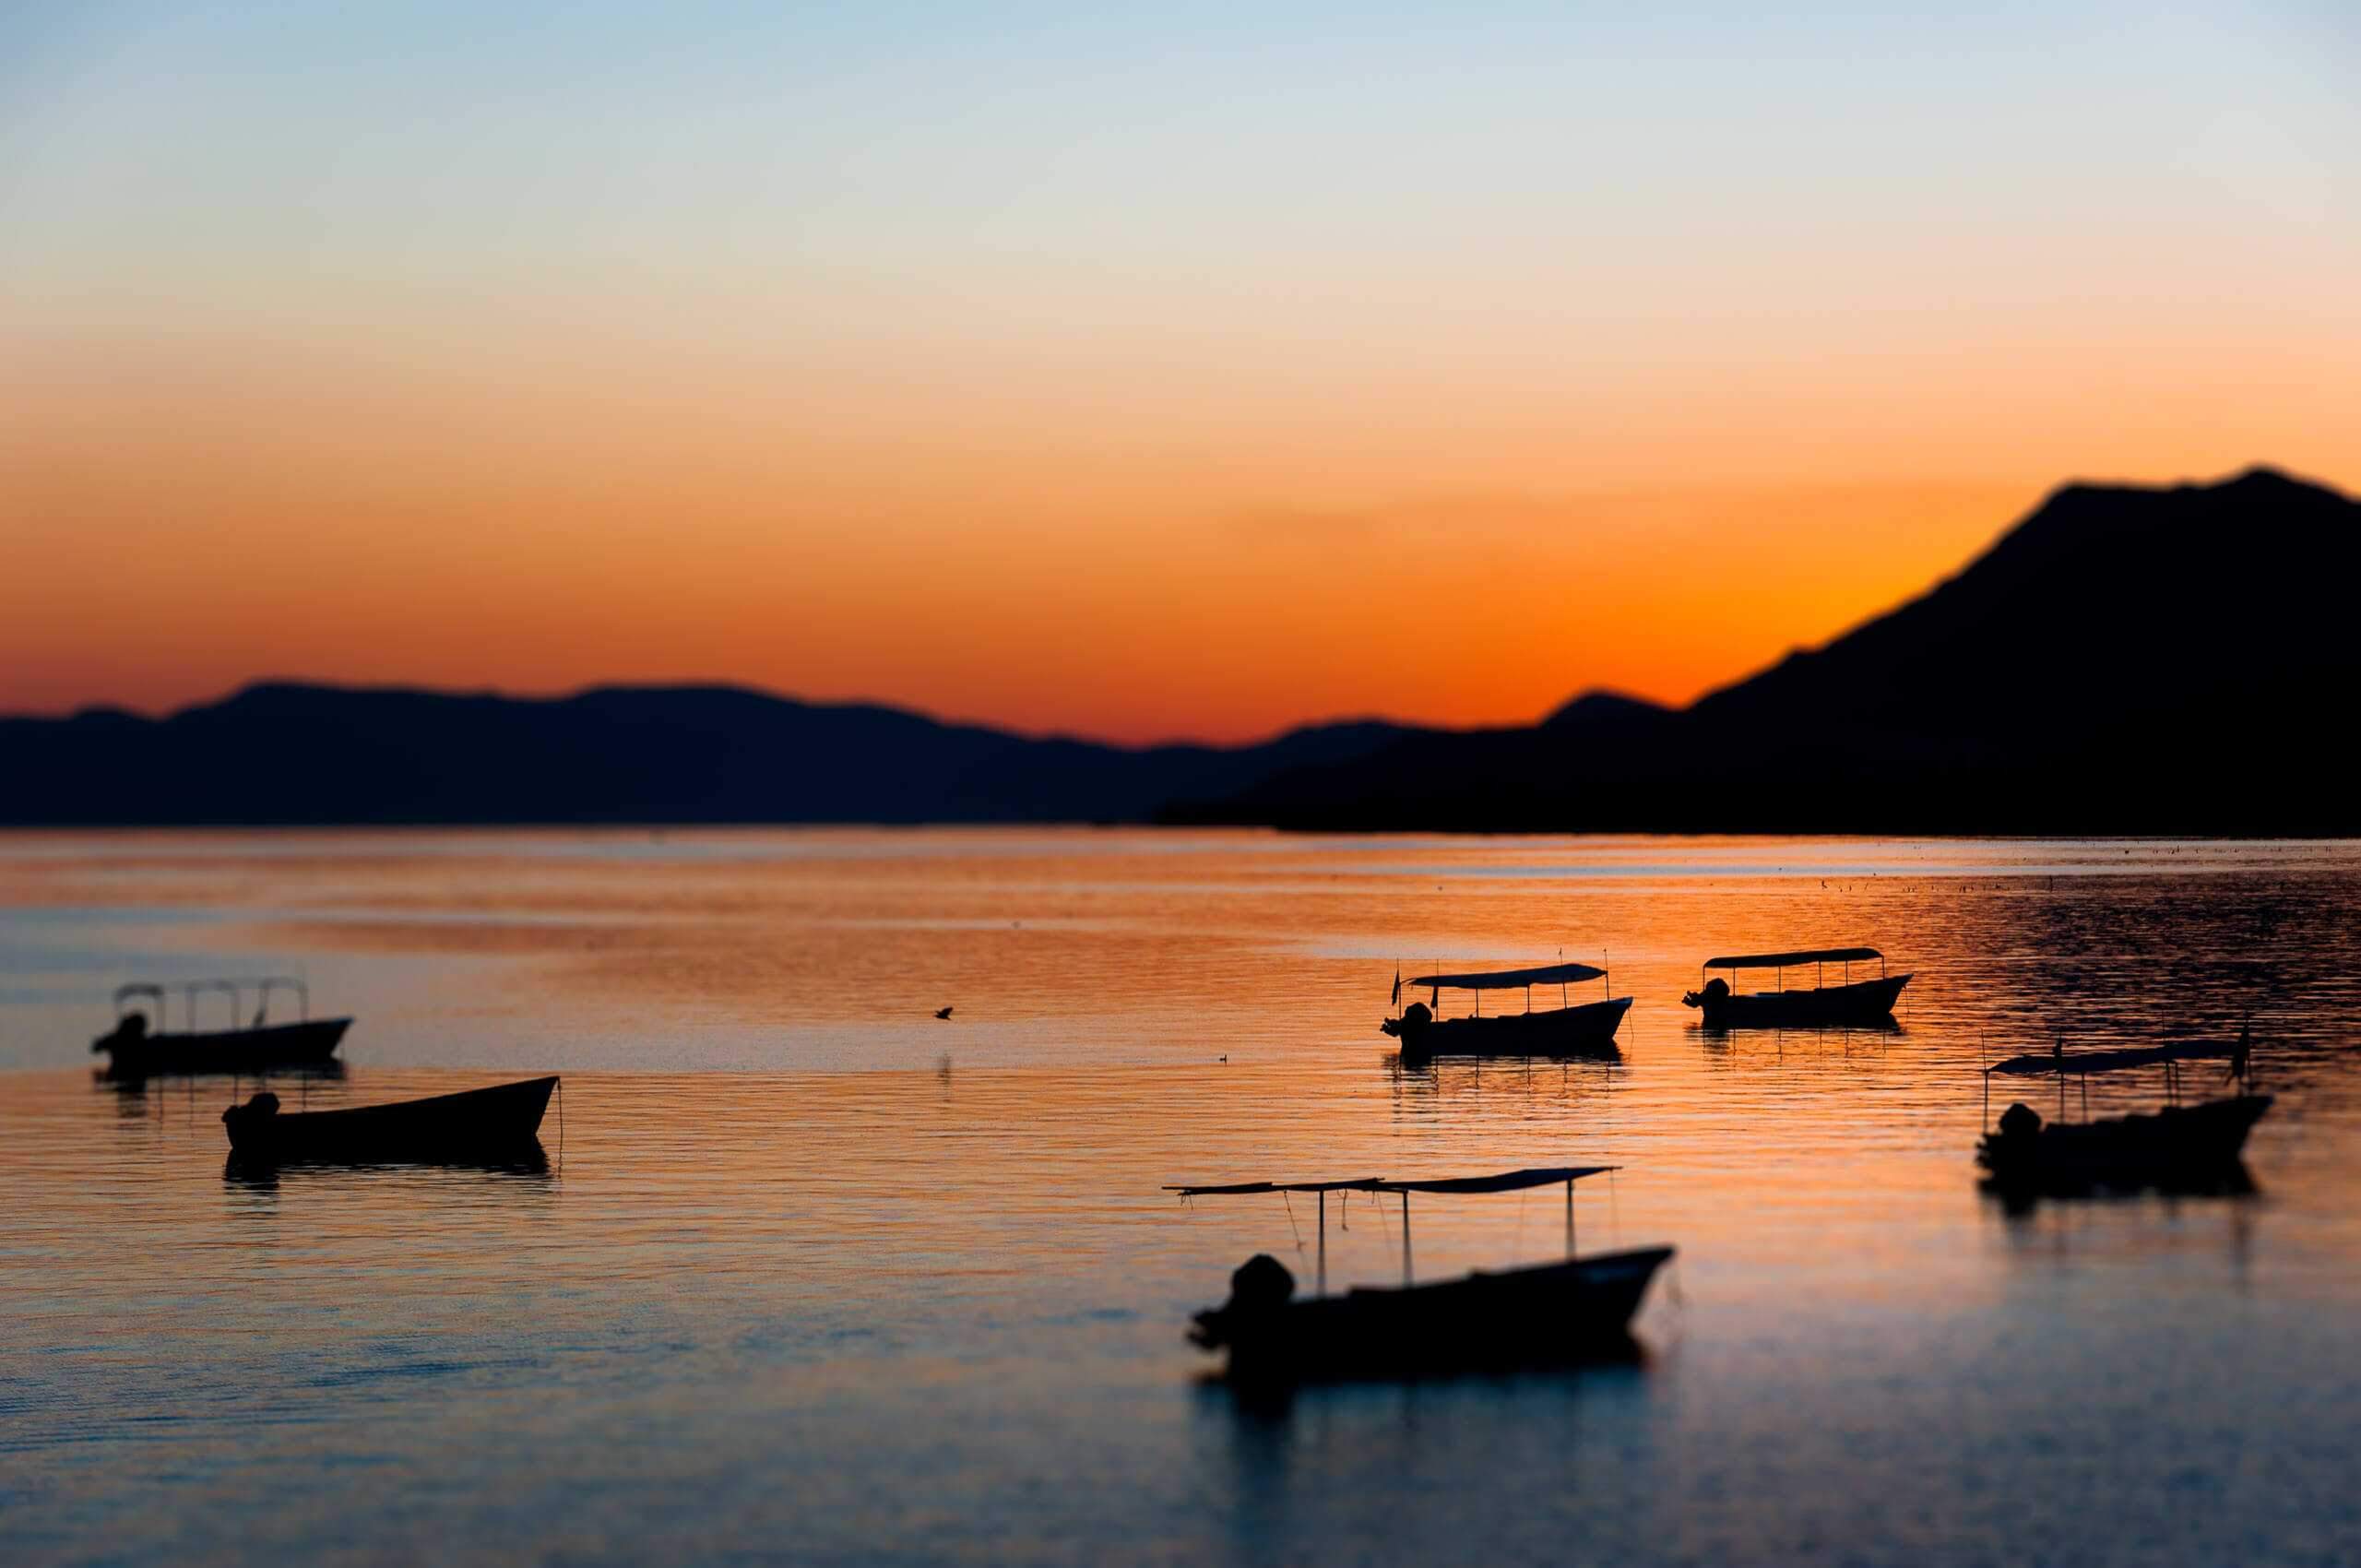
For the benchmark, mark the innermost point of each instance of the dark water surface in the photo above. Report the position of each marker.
(815, 1277)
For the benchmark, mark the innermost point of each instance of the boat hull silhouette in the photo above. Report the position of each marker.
(1586, 1030)
(1863, 1001)
(492, 1123)
(2180, 1149)
(222, 1051)
(1552, 1315)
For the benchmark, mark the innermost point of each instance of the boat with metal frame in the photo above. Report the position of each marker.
(1569, 1030)
(2192, 1147)
(142, 1045)
(1556, 1313)
(1847, 1001)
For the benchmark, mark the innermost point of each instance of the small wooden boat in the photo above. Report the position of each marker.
(1550, 1314)
(140, 1047)
(2179, 1148)
(474, 1125)
(1849, 1001)
(1580, 1029)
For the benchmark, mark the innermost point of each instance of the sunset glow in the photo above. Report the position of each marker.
(1134, 379)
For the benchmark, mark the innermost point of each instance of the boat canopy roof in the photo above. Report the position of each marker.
(1506, 1181)
(2037, 1064)
(1236, 1189)
(123, 993)
(1784, 960)
(1511, 979)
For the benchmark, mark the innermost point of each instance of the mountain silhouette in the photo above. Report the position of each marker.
(281, 752)
(2125, 659)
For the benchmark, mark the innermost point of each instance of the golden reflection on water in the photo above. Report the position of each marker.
(783, 1187)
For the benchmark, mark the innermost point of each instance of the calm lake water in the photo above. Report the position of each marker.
(812, 1277)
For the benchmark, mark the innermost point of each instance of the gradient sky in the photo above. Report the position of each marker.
(1141, 376)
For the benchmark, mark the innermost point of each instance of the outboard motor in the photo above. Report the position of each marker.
(264, 1104)
(1413, 1019)
(1717, 990)
(1260, 1284)
(131, 1030)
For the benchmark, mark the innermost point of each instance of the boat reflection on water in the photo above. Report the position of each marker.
(1721, 1045)
(2234, 1183)
(135, 1087)
(136, 1097)
(1263, 1409)
(248, 1174)
(1536, 1081)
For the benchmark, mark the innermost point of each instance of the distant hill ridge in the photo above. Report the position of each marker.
(286, 751)
(2125, 659)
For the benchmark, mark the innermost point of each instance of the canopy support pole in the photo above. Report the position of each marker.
(1570, 1218)
(1322, 1286)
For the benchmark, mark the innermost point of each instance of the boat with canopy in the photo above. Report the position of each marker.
(1570, 1029)
(1847, 1001)
(140, 1045)
(2180, 1147)
(1555, 1314)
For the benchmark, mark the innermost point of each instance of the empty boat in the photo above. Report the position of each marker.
(2178, 1147)
(1555, 1314)
(1821, 1005)
(140, 1046)
(1569, 1030)
(476, 1124)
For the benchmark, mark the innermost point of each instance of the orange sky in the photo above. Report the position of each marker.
(1437, 376)
(188, 515)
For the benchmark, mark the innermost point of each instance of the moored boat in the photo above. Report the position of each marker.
(2196, 1147)
(141, 1047)
(1573, 1029)
(475, 1125)
(1549, 1315)
(1849, 1000)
